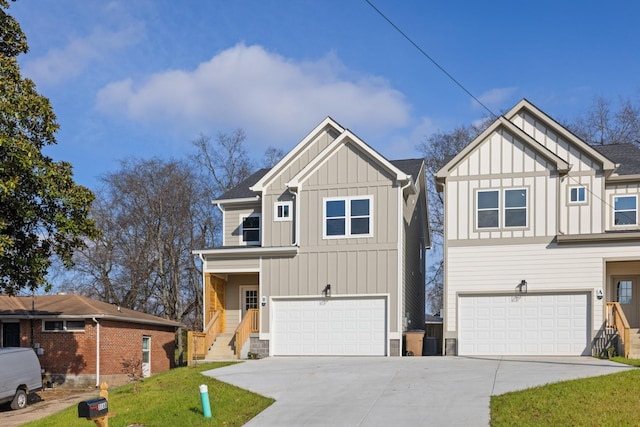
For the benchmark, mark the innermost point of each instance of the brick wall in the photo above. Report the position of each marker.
(70, 357)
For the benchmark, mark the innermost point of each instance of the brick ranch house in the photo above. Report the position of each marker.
(81, 341)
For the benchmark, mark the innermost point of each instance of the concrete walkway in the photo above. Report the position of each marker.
(409, 391)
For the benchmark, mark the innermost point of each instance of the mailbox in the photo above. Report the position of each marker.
(93, 408)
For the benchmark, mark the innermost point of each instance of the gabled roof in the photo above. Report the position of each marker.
(409, 166)
(504, 124)
(326, 125)
(346, 137)
(73, 307)
(627, 156)
(524, 104)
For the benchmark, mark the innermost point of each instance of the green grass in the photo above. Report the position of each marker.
(609, 400)
(172, 399)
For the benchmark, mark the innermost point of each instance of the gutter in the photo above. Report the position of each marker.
(97, 351)
(296, 227)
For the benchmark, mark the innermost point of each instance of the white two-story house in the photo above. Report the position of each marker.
(323, 254)
(542, 241)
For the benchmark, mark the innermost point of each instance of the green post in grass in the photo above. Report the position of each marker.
(204, 397)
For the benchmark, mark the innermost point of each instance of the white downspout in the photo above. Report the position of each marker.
(296, 231)
(400, 261)
(97, 351)
(221, 208)
(204, 293)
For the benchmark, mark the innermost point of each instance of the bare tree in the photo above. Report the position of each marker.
(225, 161)
(437, 150)
(151, 216)
(605, 123)
(272, 155)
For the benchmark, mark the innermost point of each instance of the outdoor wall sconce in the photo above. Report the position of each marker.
(522, 287)
(263, 300)
(327, 291)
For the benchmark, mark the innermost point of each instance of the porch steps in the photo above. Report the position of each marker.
(634, 341)
(222, 348)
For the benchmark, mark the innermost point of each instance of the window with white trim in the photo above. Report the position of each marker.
(63, 325)
(250, 229)
(510, 211)
(577, 194)
(347, 217)
(625, 210)
(488, 215)
(282, 211)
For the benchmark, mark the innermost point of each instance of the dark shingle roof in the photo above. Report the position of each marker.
(626, 155)
(242, 191)
(409, 166)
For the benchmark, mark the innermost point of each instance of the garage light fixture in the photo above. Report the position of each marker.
(522, 287)
(326, 291)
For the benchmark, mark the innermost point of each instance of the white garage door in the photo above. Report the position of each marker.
(553, 324)
(329, 326)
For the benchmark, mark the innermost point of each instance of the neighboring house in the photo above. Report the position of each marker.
(324, 253)
(80, 341)
(542, 240)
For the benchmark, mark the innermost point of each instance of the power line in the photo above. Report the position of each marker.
(425, 54)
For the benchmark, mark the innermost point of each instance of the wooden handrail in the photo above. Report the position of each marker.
(616, 319)
(250, 324)
(199, 343)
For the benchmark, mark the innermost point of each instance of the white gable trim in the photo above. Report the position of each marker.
(324, 126)
(501, 122)
(346, 137)
(524, 104)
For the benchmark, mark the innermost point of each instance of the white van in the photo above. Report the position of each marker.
(20, 374)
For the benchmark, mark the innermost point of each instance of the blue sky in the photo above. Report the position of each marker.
(144, 78)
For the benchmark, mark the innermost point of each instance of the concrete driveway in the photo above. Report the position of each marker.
(408, 391)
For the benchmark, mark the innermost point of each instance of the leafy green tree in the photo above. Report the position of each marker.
(43, 212)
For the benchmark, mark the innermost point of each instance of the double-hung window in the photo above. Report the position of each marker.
(348, 217)
(625, 210)
(250, 230)
(507, 209)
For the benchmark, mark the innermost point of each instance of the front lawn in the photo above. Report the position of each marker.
(172, 399)
(609, 400)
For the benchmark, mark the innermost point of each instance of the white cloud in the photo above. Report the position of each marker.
(65, 63)
(270, 96)
(495, 99)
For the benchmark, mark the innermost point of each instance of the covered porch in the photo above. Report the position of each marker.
(621, 333)
(231, 314)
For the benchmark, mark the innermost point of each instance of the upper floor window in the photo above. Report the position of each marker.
(282, 211)
(250, 229)
(347, 217)
(63, 325)
(513, 207)
(577, 194)
(625, 209)
(488, 209)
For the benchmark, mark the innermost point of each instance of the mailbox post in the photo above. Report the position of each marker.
(96, 410)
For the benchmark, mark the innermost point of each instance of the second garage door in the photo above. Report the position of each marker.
(329, 326)
(544, 324)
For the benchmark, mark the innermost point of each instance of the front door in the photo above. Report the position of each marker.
(146, 356)
(11, 335)
(249, 299)
(626, 294)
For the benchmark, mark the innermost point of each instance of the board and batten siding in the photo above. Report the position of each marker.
(501, 162)
(500, 268)
(233, 222)
(277, 233)
(354, 266)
